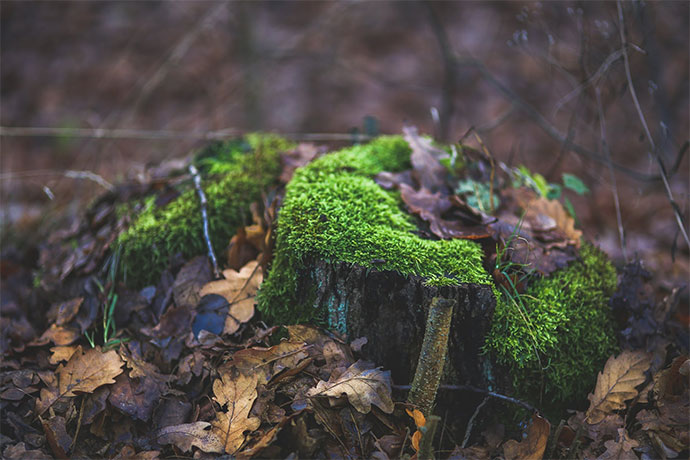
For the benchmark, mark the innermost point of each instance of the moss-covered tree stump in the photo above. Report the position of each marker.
(348, 257)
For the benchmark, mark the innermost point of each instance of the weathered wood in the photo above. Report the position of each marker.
(390, 310)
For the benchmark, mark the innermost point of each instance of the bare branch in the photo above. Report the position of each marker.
(652, 145)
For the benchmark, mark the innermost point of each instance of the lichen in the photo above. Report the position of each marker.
(557, 343)
(334, 211)
(234, 175)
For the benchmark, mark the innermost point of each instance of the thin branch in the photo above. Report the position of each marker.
(543, 123)
(124, 133)
(70, 173)
(470, 423)
(449, 71)
(478, 390)
(655, 152)
(204, 215)
(614, 186)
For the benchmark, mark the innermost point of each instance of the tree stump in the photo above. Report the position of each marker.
(391, 309)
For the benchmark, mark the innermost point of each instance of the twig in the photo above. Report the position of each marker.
(652, 145)
(204, 216)
(141, 134)
(614, 186)
(478, 390)
(449, 71)
(470, 423)
(543, 123)
(432, 357)
(72, 174)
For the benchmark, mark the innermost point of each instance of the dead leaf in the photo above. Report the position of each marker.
(470, 453)
(63, 353)
(135, 398)
(621, 448)
(189, 435)
(83, 373)
(430, 207)
(362, 384)
(56, 435)
(426, 168)
(59, 335)
(616, 384)
(264, 363)
(236, 392)
(189, 280)
(63, 312)
(245, 246)
(533, 446)
(239, 289)
(19, 452)
(301, 155)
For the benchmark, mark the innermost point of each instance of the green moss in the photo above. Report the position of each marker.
(557, 343)
(234, 175)
(333, 210)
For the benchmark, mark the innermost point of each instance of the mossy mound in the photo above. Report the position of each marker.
(556, 339)
(334, 211)
(234, 175)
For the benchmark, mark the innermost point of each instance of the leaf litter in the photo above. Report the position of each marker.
(171, 384)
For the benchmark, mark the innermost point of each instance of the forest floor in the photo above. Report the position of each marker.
(186, 367)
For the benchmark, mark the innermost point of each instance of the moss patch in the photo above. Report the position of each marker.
(235, 173)
(557, 343)
(333, 210)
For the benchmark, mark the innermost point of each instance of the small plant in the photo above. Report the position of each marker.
(108, 306)
(523, 176)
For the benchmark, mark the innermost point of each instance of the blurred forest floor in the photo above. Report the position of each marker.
(317, 67)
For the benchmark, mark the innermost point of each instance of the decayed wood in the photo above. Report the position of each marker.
(391, 309)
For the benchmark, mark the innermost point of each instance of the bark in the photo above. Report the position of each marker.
(391, 310)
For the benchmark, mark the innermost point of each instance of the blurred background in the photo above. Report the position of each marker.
(92, 92)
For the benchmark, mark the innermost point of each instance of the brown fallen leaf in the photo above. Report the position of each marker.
(239, 289)
(430, 206)
(83, 373)
(59, 335)
(189, 435)
(236, 392)
(616, 384)
(426, 167)
(362, 384)
(19, 452)
(62, 353)
(56, 435)
(533, 446)
(189, 280)
(245, 246)
(301, 155)
(470, 453)
(265, 363)
(621, 448)
(63, 312)
(134, 397)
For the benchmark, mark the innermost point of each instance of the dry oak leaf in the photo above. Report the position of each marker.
(238, 392)
(549, 215)
(239, 289)
(620, 449)
(616, 384)
(363, 385)
(533, 446)
(264, 363)
(83, 373)
(190, 434)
